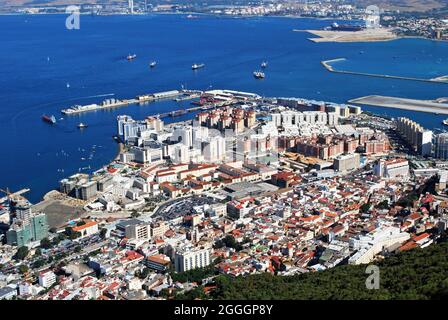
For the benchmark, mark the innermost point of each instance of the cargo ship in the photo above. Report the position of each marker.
(197, 66)
(259, 75)
(345, 27)
(131, 57)
(49, 119)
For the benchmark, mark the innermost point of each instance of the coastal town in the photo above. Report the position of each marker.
(431, 25)
(249, 185)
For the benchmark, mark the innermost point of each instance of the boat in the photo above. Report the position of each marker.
(153, 64)
(197, 66)
(82, 125)
(259, 75)
(264, 64)
(68, 85)
(49, 119)
(177, 113)
(131, 57)
(445, 122)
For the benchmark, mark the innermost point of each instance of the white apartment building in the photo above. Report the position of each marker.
(391, 168)
(295, 118)
(188, 257)
(214, 149)
(47, 278)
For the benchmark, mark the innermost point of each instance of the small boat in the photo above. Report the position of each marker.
(49, 119)
(264, 64)
(153, 64)
(445, 122)
(259, 75)
(197, 66)
(131, 57)
(82, 126)
(68, 85)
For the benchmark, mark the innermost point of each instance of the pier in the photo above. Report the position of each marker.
(327, 65)
(174, 94)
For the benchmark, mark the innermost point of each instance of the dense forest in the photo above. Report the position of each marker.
(414, 274)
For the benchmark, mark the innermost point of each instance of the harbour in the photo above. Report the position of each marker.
(293, 71)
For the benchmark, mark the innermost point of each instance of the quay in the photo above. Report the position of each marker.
(327, 65)
(178, 95)
(401, 103)
(192, 109)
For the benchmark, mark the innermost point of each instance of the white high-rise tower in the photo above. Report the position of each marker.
(131, 6)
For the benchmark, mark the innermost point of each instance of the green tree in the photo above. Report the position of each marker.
(135, 214)
(365, 207)
(45, 243)
(23, 269)
(72, 234)
(38, 264)
(103, 233)
(22, 253)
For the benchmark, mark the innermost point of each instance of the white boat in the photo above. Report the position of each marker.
(82, 126)
(445, 122)
(197, 66)
(131, 57)
(153, 64)
(259, 75)
(264, 64)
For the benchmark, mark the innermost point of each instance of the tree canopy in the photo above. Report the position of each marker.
(414, 274)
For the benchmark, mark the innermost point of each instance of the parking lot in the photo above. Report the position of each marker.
(181, 207)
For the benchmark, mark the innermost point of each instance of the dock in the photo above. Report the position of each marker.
(180, 112)
(145, 98)
(327, 65)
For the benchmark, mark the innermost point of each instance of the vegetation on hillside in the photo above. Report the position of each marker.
(415, 274)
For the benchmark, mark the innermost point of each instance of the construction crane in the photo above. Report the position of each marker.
(15, 196)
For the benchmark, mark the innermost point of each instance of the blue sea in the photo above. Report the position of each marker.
(39, 57)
